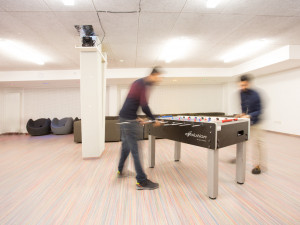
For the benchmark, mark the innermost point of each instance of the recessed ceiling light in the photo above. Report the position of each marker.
(245, 50)
(212, 3)
(68, 2)
(22, 52)
(175, 49)
(121, 60)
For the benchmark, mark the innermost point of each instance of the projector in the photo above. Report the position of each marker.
(87, 42)
(87, 35)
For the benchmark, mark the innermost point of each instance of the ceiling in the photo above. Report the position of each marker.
(138, 37)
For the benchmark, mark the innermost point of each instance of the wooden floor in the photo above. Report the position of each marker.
(43, 180)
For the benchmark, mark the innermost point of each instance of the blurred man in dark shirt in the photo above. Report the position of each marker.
(252, 108)
(137, 97)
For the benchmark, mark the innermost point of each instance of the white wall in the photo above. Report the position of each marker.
(10, 110)
(50, 103)
(42, 103)
(282, 101)
(183, 98)
(231, 98)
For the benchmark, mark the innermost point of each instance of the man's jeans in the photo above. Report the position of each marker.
(129, 134)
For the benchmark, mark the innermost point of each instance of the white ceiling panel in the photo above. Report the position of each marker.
(292, 34)
(210, 28)
(107, 49)
(120, 28)
(114, 58)
(28, 5)
(79, 5)
(117, 5)
(199, 6)
(147, 55)
(13, 28)
(199, 55)
(265, 7)
(162, 5)
(45, 25)
(42, 23)
(156, 27)
(126, 53)
(218, 52)
(123, 52)
(50, 35)
(272, 28)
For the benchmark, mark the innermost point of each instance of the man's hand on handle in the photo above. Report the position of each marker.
(243, 115)
(156, 123)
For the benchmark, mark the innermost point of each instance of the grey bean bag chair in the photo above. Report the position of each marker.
(38, 127)
(63, 126)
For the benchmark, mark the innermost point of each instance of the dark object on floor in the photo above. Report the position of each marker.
(232, 161)
(112, 129)
(38, 127)
(256, 170)
(77, 131)
(62, 126)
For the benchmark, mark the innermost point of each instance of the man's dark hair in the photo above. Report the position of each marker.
(156, 69)
(246, 77)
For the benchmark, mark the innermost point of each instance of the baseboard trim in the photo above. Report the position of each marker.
(90, 158)
(13, 133)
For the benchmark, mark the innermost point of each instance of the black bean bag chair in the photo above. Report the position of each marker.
(39, 127)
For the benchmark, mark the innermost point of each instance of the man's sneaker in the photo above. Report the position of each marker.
(256, 170)
(146, 185)
(125, 174)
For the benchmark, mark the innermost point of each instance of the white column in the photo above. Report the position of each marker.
(92, 94)
(113, 100)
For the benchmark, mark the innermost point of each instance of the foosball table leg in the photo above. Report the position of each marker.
(240, 162)
(177, 151)
(151, 151)
(213, 173)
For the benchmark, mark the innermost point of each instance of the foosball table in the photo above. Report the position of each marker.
(212, 133)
